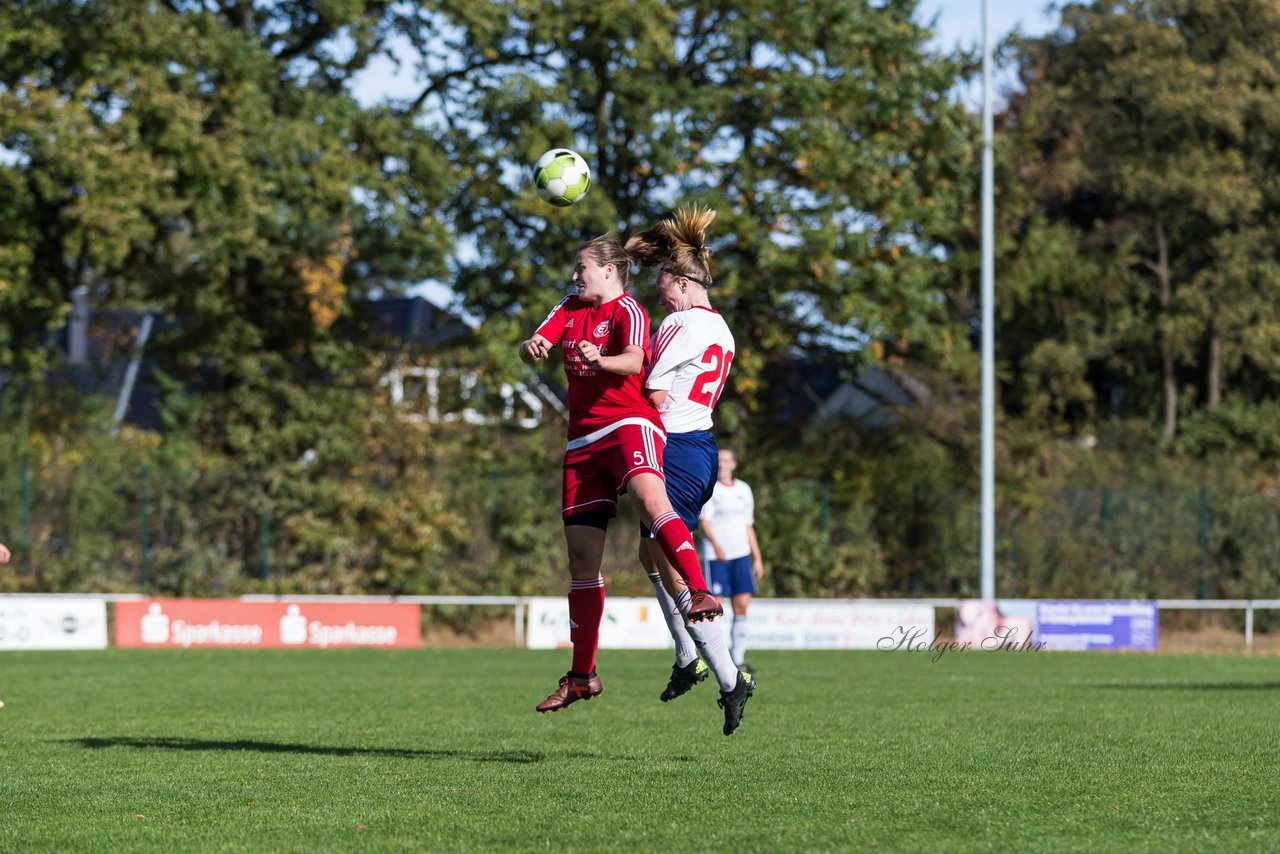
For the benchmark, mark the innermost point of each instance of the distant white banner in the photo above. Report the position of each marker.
(53, 622)
(627, 624)
(775, 624)
(780, 624)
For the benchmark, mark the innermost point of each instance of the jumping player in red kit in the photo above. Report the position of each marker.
(615, 445)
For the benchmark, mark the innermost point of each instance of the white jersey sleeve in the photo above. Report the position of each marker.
(692, 353)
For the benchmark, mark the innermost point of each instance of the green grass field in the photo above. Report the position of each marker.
(440, 750)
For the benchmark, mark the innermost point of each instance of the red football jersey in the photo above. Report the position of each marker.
(599, 400)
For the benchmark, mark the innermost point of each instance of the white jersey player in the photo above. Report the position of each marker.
(692, 352)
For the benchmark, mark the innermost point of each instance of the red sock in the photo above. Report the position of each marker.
(586, 610)
(673, 536)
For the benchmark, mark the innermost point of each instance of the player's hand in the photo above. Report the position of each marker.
(757, 569)
(720, 553)
(536, 349)
(4, 553)
(590, 352)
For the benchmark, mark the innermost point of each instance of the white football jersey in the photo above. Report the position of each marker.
(692, 352)
(731, 510)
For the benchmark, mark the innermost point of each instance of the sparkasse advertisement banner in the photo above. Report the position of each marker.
(298, 625)
(52, 622)
(636, 623)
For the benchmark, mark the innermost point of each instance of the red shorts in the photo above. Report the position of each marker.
(597, 472)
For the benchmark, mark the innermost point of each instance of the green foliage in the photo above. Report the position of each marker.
(213, 165)
(1141, 209)
(399, 507)
(209, 161)
(812, 552)
(358, 507)
(825, 140)
(1238, 426)
(65, 496)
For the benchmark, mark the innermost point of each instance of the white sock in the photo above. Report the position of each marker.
(739, 640)
(712, 643)
(685, 649)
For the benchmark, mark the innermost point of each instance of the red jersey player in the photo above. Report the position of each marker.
(615, 444)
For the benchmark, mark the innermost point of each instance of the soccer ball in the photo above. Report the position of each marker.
(561, 177)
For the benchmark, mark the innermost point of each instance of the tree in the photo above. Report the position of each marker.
(826, 139)
(208, 159)
(1148, 134)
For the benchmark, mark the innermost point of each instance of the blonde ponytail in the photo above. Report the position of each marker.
(678, 245)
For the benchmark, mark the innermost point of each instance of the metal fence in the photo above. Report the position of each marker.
(162, 529)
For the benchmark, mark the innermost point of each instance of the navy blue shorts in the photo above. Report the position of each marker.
(690, 464)
(731, 577)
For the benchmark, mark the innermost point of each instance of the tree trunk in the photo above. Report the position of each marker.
(1170, 381)
(1213, 371)
(1214, 378)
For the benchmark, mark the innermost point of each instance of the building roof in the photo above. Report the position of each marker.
(813, 390)
(411, 321)
(111, 335)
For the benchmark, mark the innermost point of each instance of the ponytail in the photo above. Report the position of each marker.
(677, 245)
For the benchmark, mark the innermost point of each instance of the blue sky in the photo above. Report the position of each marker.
(960, 21)
(959, 24)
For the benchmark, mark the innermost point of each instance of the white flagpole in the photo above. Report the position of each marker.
(988, 538)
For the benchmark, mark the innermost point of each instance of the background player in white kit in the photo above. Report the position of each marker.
(692, 351)
(734, 563)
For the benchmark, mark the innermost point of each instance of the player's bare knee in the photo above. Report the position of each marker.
(650, 494)
(659, 506)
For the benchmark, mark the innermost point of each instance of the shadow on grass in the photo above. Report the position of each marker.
(1192, 686)
(519, 757)
(516, 757)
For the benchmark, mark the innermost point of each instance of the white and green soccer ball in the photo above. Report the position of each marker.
(561, 177)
